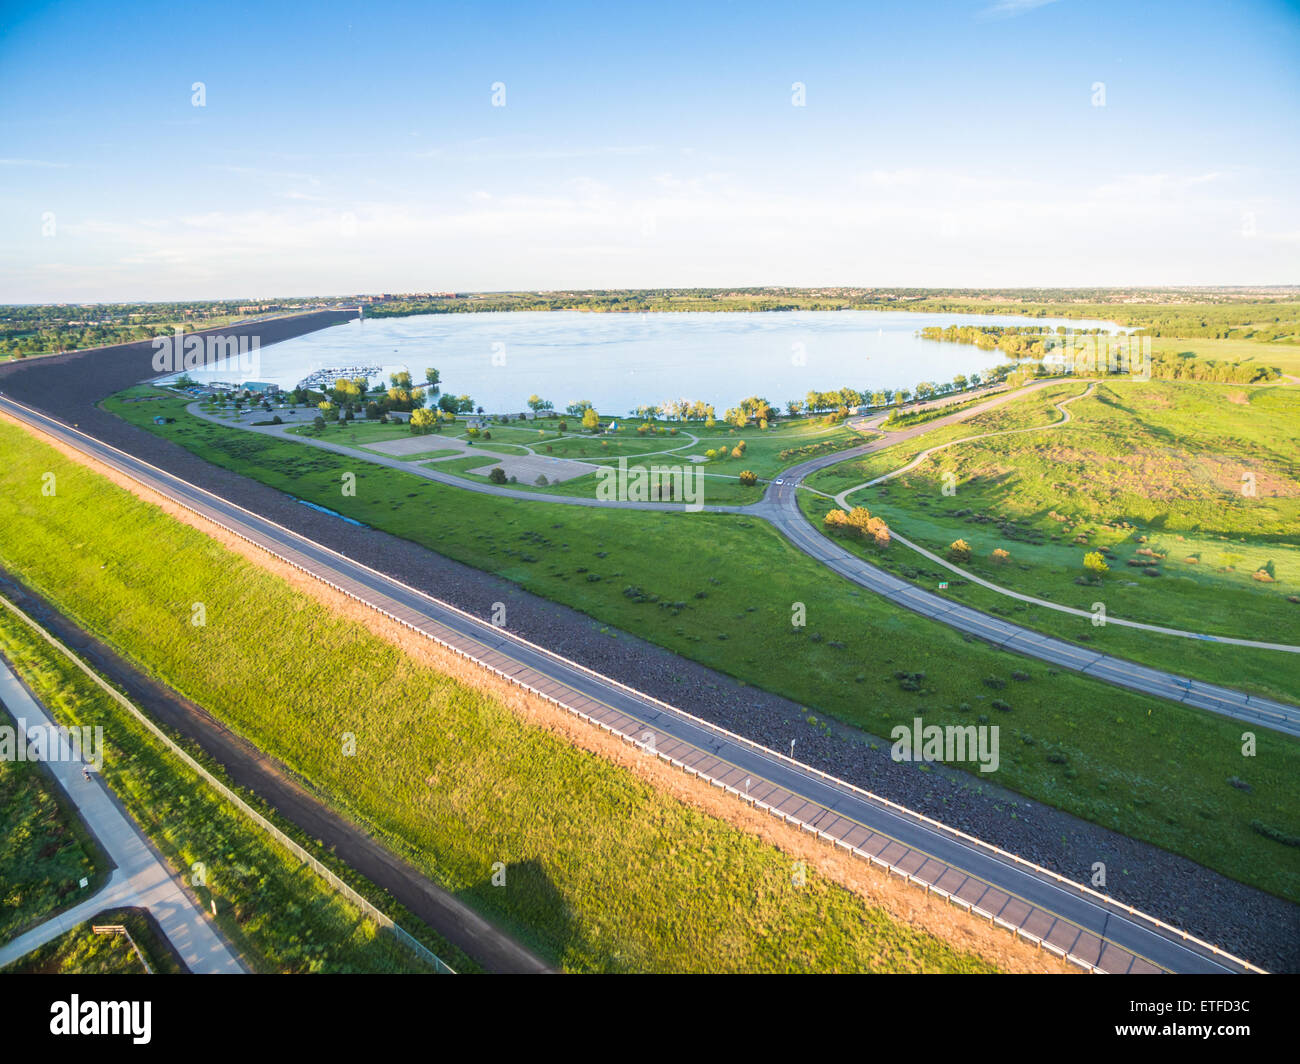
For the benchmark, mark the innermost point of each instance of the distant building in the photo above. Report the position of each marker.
(260, 387)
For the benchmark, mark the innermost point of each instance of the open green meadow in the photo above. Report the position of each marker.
(1154, 476)
(1151, 769)
(602, 872)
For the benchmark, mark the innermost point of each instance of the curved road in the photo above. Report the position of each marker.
(1067, 918)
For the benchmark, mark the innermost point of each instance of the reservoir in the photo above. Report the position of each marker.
(621, 361)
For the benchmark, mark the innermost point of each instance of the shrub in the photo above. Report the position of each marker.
(748, 478)
(959, 551)
(860, 522)
(1000, 555)
(1095, 562)
(497, 475)
(1270, 832)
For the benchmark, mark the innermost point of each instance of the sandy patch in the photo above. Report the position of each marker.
(415, 445)
(527, 468)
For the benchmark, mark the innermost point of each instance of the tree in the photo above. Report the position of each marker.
(860, 523)
(1095, 562)
(497, 475)
(590, 419)
(422, 421)
(401, 379)
(537, 404)
(578, 407)
(318, 424)
(959, 551)
(433, 379)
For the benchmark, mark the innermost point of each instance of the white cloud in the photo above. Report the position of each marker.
(908, 226)
(1011, 8)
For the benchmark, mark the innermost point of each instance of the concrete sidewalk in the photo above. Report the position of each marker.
(140, 877)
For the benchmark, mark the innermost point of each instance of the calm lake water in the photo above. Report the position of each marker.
(621, 361)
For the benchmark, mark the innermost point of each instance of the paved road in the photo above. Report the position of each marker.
(1068, 918)
(140, 879)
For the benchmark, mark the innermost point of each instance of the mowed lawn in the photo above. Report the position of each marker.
(720, 590)
(602, 871)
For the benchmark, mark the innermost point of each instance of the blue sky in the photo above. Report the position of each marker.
(347, 147)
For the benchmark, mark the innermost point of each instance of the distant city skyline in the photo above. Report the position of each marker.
(243, 153)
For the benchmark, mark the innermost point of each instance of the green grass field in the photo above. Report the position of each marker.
(1283, 355)
(1153, 770)
(279, 914)
(602, 871)
(1154, 468)
(47, 849)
